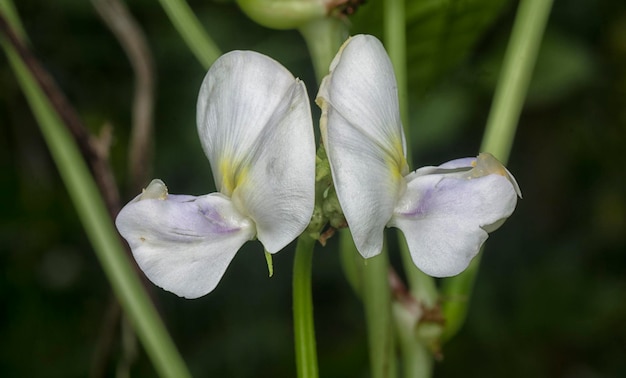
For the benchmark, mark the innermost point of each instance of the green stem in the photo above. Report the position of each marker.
(517, 69)
(377, 301)
(395, 41)
(456, 292)
(422, 286)
(304, 328)
(190, 28)
(519, 61)
(323, 37)
(417, 360)
(99, 228)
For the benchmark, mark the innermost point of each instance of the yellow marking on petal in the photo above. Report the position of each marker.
(397, 161)
(233, 175)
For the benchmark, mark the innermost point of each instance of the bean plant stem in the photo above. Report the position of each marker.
(98, 225)
(190, 28)
(519, 61)
(303, 322)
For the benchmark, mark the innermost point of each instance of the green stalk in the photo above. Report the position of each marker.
(416, 358)
(519, 61)
(422, 286)
(303, 322)
(517, 69)
(323, 37)
(395, 41)
(380, 329)
(100, 231)
(190, 28)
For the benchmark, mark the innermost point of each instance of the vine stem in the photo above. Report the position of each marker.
(380, 324)
(416, 358)
(323, 37)
(519, 61)
(190, 28)
(303, 323)
(95, 218)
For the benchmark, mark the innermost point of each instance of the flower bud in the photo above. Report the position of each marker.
(284, 14)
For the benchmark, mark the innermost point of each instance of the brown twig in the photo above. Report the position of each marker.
(98, 164)
(120, 21)
(132, 39)
(95, 152)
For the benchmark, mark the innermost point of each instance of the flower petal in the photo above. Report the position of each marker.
(445, 217)
(363, 137)
(237, 101)
(255, 125)
(278, 191)
(184, 243)
(362, 88)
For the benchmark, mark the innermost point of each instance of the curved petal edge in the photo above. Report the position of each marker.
(446, 217)
(183, 243)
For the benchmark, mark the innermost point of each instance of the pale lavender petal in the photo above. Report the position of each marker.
(183, 243)
(445, 217)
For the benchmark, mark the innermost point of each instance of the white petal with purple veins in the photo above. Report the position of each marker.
(445, 217)
(184, 243)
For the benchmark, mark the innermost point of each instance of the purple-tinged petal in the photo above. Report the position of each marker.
(255, 126)
(445, 217)
(183, 243)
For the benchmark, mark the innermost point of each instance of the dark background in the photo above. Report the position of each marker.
(550, 298)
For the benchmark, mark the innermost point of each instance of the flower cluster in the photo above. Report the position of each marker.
(256, 129)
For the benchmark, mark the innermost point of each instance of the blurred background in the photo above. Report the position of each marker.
(550, 300)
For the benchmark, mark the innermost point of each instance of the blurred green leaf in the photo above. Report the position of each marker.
(563, 66)
(432, 122)
(440, 33)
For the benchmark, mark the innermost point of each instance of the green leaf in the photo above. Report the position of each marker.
(440, 33)
(564, 66)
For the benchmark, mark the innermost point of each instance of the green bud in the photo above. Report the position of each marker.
(284, 14)
(318, 220)
(332, 209)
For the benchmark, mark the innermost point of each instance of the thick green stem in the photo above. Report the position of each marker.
(377, 302)
(98, 225)
(304, 328)
(395, 41)
(323, 37)
(519, 61)
(190, 28)
(422, 286)
(517, 69)
(417, 359)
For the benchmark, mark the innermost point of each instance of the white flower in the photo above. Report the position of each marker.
(444, 212)
(255, 126)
